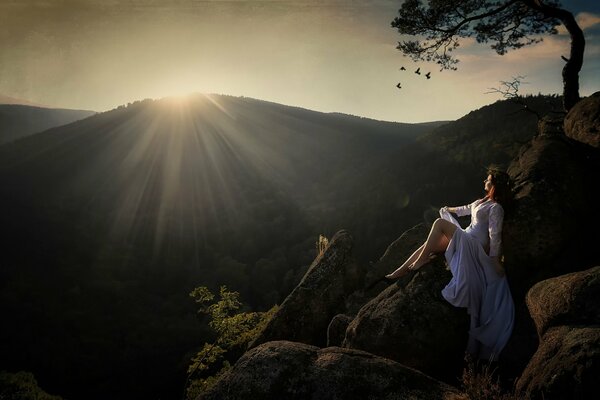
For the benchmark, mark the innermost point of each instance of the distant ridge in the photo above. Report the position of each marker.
(13, 100)
(18, 120)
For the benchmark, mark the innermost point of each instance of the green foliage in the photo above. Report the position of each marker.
(22, 386)
(234, 330)
(199, 386)
(507, 24)
(440, 25)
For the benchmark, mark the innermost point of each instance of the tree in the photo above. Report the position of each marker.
(507, 24)
(233, 329)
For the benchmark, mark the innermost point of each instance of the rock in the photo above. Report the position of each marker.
(583, 121)
(549, 229)
(336, 331)
(565, 366)
(566, 300)
(551, 126)
(306, 312)
(545, 223)
(287, 370)
(395, 255)
(410, 322)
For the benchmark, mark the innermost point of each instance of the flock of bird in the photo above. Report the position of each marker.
(418, 72)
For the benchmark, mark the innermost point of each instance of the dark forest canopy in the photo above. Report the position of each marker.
(506, 24)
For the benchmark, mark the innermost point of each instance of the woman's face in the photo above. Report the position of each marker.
(488, 183)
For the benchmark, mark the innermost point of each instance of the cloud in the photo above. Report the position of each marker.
(584, 19)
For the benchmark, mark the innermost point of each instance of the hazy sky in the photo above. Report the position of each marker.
(328, 55)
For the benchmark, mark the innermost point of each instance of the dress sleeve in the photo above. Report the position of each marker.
(495, 229)
(463, 210)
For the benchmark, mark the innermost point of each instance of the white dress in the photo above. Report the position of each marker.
(475, 283)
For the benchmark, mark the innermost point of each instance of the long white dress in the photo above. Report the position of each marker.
(475, 283)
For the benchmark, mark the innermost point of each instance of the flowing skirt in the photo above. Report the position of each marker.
(476, 286)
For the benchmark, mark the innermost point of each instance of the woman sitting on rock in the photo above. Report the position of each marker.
(473, 254)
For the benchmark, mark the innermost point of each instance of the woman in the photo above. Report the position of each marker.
(473, 254)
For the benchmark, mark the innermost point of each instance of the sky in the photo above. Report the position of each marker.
(327, 55)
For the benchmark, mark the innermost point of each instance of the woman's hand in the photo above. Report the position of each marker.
(498, 266)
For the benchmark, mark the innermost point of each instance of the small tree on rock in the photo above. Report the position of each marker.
(507, 24)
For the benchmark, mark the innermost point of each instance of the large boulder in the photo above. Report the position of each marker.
(567, 318)
(565, 366)
(549, 228)
(410, 322)
(394, 256)
(545, 232)
(306, 312)
(583, 121)
(287, 370)
(570, 299)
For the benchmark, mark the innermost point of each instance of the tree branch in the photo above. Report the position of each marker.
(478, 17)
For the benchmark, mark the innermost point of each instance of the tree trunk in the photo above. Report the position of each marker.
(570, 72)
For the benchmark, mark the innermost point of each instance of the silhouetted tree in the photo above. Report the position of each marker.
(507, 24)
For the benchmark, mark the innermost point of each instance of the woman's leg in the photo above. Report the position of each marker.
(437, 241)
(403, 269)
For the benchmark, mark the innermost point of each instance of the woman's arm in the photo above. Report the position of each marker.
(460, 211)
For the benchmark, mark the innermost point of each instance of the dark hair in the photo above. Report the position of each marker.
(501, 190)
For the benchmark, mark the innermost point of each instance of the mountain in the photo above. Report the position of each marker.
(115, 218)
(17, 120)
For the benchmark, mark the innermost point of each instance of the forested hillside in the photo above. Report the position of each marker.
(110, 221)
(113, 219)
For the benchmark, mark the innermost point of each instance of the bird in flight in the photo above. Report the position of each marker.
(402, 69)
(418, 71)
(428, 75)
(398, 86)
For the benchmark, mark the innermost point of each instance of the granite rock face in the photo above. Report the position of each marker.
(565, 366)
(306, 313)
(336, 331)
(582, 123)
(288, 370)
(544, 231)
(549, 228)
(394, 256)
(410, 322)
(551, 126)
(569, 299)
